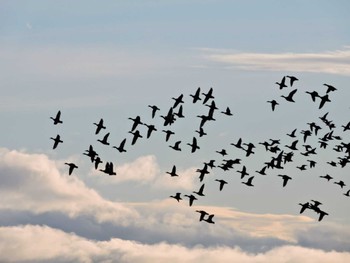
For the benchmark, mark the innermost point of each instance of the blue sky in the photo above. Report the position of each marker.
(110, 60)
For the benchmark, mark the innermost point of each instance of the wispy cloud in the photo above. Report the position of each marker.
(332, 62)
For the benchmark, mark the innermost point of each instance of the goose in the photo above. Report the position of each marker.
(202, 214)
(243, 172)
(196, 96)
(238, 144)
(56, 140)
(137, 121)
(200, 191)
(99, 126)
(302, 167)
(135, 137)
(202, 172)
(293, 145)
(313, 95)
(154, 110)
(322, 214)
(292, 134)
(285, 178)
(104, 140)
(304, 206)
(178, 100)
(176, 146)
(177, 197)
(290, 96)
(57, 119)
(201, 132)
(173, 171)
(194, 145)
(249, 181)
(273, 103)
(209, 219)
(151, 128)
(208, 95)
(179, 114)
(191, 199)
(227, 112)
(97, 162)
(312, 163)
(292, 79)
(340, 183)
(210, 164)
(222, 152)
(347, 193)
(168, 134)
(327, 177)
(282, 84)
(71, 167)
(330, 88)
(222, 183)
(91, 153)
(324, 99)
(262, 171)
(121, 146)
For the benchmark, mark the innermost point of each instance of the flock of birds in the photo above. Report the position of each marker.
(281, 154)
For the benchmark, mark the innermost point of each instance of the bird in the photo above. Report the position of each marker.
(249, 181)
(238, 144)
(227, 112)
(262, 171)
(154, 110)
(347, 193)
(285, 178)
(150, 129)
(99, 126)
(191, 199)
(322, 214)
(292, 79)
(173, 171)
(91, 153)
(104, 140)
(56, 119)
(346, 127)
(135, 137)
(200, 191)
(304, 206)
(178, 100)
(72, 166)
(290, 96)
(202, 172)
(202, 214)
(312, 163)
(177, 197)
(330, 88)
(57, 140)
(274, 103)
(243, 172)
(292, 134)
(313, 95)
(209, 219)
(282, 84)
(302, 167)
(340, 183)
(194, 145)
(208, 95)
(121, 146)
(210, 164)
(196, 96)
(222, 152)
(179, 114)
(201, 132)
(109, 169)
(324, 99)
(222, 183)
(293, 145)
(97, 162)
(168, 134)
(137, 121)
(176, 146)
(327, 177)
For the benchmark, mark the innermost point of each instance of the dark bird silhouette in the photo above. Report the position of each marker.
(169, 118)
(346, 127)
(210, 164)
(222, 183)
(262, 171)
(238, 144)
(285, 178)
(194, 145)
(168, 134)
(104, 140)
(178, 100)
(209, 219)
(227, 112)
(313, 95)
(180, 114)
(249, 149)
(176, 146)
(340, 183)
(208, 95)
(302, 167)
(97, 162)
(332, 163)
(322, 214)
(202, 172)
(91, 153)
(330, 88)
(293, 145)
(312, 163)
(191, 199)
(56, 140)
(201, 132)
(290, 96)
(249, 181)
(306, 134)
(137, 121)
(282, 84)
(196, 96)
(173, 171)
(273, 103)
(135, 137)
(99, 126)
(347, 193)
(292, 79)
(324, 99)
(72, 166)
(304, 206)
(292, 134)
(200, 191)
(202, 214)
(109, 169)
(154, 110)
(222, 152)
(121, 146)
(177, 197)
(151, 128)
(327, 176)
(243, 172)
(57, 119)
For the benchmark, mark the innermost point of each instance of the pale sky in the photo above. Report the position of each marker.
(110, 60)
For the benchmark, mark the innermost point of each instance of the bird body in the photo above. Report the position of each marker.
(56, 140)
(56, 119)
(99, 126)
(290, 96)
(72, 166)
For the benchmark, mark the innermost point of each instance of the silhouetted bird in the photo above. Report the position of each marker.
(169, 118)
(97, 162)
(243, 172)
(202, 214)
(347, 193)
(109, 169)
(168, 134)
(292, 80)
(306, 134)
(249, 149)
(176, 146)
(104, 140)
(285, 179)
(180, 114)
(99, 126)
(330, 88)
(346, 127)
(208, 95)
(293, 145)
(173, 171)
(121, 146)
(222, 183)
(56, 140)
(290, 96)
(194, 145)
(200, 191)
(201, 132)
(292, 134)
(154, 110)
(137, 121)
(178, 100)
(249, 181)
(328, 177)
(312, 163)
(196, 96)
(238, 144)
(262, 171)
(57, 120)
(135, 137)
(209, 219)
(91, 153)
(313, 95)
(340, 183)
(227, 112)
(202, 172)
(211, 164)
(304, 206)
(71, 167)
(177, 197)
(282, 84)
(274, 103)
(324, 99)
(151, 128)
(222, 152)
(322, 214)
(191, 199)
(302, 167)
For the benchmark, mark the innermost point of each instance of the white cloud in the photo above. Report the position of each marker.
(332, 62)
(52, 245)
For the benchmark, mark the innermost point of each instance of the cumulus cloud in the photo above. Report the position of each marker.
(332, 62)
(16, 244)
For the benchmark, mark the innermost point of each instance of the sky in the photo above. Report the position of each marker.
(111, 60)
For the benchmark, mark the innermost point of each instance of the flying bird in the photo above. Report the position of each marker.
(104, 140)
(285, 178)
(249, 181)
(56, 119)
(282, 84)
(173, 171)
(177, 197)
(330, 88)
(304, 207)
(324, 99)
(154, 110)
(121, 146)
(290, 96)
(313, 95)
(208, 95)
(202, 214)
(194, 145)
(72, 166)
(274, 103)
(227, 112)
(178, 100)
(196, 96)
(176, 146)
(292, 134)
(137, 121)
(99, 126)
(209, 219)
(222, 183)
(56, 140)
(200, 191)
(191, 199)
(168, 134)
(135, 137)
(292, 79)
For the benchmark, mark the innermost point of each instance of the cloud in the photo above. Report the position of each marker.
(16, 244)
(332, 62)
(32, 182)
